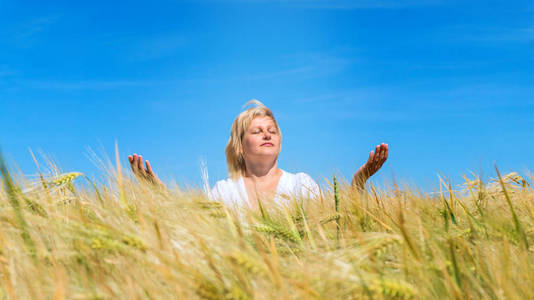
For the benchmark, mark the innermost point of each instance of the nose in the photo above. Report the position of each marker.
(267, 135)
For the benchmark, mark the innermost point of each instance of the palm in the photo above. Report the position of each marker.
(136, 163)
(376, 159)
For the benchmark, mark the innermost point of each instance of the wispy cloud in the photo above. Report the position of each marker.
(297, 66)
(346, 97)
(5, 71)
(85, 85)
(342, 4)
(367, 4)
(463, 33)
(284, 73)
(32, 27)
(359, 104)
(396, 103)
(310, 65)
(157, 46)
(493, 94)
(525, 34)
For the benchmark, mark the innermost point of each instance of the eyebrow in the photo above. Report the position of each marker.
(268, 126)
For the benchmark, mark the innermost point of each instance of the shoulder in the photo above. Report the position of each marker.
(226, 190)
(307, 182)
(222, 187)
(223, 184)
(303, 177)
(302, 184)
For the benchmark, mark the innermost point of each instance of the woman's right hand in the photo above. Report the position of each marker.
(136, 163)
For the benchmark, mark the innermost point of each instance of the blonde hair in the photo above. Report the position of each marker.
(234, 147)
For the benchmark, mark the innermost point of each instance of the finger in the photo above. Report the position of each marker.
(131, 160)
(378, 158)
(140, 165)
(149, 168)
(371, 157)
(383, 153)
(383, 157)
(377, 154)
(133, 164)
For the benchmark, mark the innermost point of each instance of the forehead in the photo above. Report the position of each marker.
(262, 122)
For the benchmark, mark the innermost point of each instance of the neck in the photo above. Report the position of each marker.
(261, 170)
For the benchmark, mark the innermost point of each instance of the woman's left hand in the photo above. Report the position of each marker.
(373, 164)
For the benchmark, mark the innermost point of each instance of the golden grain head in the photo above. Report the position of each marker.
(394, 244)
(65, 178)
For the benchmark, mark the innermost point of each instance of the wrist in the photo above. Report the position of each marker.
(361, 175)
(359, 180)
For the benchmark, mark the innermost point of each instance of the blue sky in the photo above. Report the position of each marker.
(449, 85)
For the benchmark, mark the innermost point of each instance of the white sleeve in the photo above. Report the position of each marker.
(221, 193)
(308, 187)
(215, 193)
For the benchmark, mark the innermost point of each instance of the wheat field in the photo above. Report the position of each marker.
(66, 236)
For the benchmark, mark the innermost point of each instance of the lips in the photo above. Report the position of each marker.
(267, 144)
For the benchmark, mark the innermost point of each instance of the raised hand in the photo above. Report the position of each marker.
(376, 159)
(136, 163)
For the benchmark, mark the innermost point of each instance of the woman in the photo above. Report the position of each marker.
(251, 154)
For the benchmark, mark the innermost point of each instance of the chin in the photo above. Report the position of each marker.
(269, 152)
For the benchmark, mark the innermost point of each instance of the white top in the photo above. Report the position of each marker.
(232, 192)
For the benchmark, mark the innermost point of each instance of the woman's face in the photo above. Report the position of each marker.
(261, 139)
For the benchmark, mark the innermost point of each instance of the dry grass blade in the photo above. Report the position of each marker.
(388, 244)
(517, 223)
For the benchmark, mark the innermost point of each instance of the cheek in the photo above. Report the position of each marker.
(277, 140)
(249, 142)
